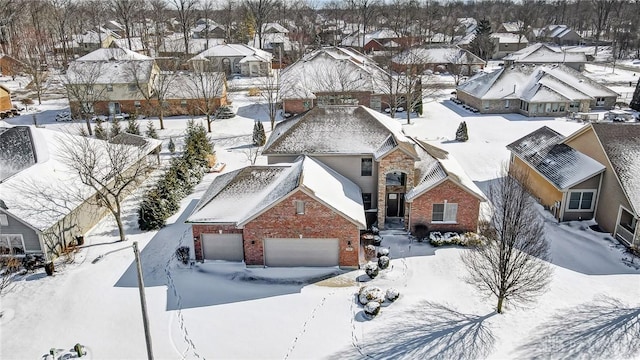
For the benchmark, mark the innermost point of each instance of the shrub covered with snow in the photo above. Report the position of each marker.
(369, 294)
(372, 309)
(383, 252)
(392, 294)
(452, 238)
(182, 253)
(371, 269)
(369, 252)
(383, 262)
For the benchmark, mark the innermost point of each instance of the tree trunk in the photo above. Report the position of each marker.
(500, 301)
(88, 121)
(161, 117)
(118, 217)
(209, 122)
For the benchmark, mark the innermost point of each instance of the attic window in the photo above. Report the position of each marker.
(4, 221)
(299, 207)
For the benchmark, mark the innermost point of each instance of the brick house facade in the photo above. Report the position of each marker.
(396, 161)
(421, 208)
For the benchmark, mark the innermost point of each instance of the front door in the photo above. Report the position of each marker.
(395, 205)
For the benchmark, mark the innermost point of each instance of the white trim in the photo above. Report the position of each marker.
(581, 191)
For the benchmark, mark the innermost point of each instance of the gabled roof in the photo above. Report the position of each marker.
(341, 130)
(621, 144)
(541, 83)
(239, 196)
(436, 166)
(510, 38)
(437, 54)
(563, 166)
(234, 50)
(113, 54)
(124, 138)
(136, 43)
(274, 28)
(332, 69)
(110, 72)
(540, 53)
(512, 27)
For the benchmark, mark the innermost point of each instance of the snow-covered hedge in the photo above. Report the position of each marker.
(436, 238)
(392, 294)
(371, 269)
(383, 252)
(383, 262)
(372, 309)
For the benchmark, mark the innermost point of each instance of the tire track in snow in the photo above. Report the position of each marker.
(191, 347)
(306, 323)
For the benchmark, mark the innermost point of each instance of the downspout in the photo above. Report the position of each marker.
(409, 216)
(595, 207)
(562, 205)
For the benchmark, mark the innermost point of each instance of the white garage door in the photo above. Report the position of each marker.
(222, 247)
(301, 252)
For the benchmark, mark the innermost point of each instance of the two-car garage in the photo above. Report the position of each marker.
(278, 252)
(301, 252)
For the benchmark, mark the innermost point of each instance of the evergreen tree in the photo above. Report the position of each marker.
(83, 132)
(461, 133)
(259, 136)
(132, 126)
(115, 129)
(482, 44)
(196, 144)
(151, 130)
(99, 130)
(171, 146)
(635, 101)
(150, 214)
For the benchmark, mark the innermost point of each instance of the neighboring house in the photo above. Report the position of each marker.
(540, 54)
(208, 29)
(234, 58)
(400, 178)
(297, 214)
(507, 43)
(557, 34)
(115, 27)
(333, 76)
(10, 66)
(173, 45)
(360, 40)
(274, 37)
(185, 94)
(514, 27)
(593, 173)
(5, 99)
(531, 90)
(441, 58)
(93, 40)
(58, 207)
(110, 81)
(137, 45)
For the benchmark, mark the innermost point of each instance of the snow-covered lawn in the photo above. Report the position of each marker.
(221, 310)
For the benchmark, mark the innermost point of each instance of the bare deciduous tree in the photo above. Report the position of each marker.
(110, 170)
(206, 87)
(511, 263)
(270, 92)
(260, 12)
(186, 10)
(82, 88)
(127, 12)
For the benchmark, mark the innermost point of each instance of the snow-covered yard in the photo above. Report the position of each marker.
(221, 310)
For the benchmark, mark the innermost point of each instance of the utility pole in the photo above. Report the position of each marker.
(143, 301)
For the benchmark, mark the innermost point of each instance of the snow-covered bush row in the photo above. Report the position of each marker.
(383, 262)
(372, 309)
(392, 294)
(372, 297)
(371, 269)
(436, 238)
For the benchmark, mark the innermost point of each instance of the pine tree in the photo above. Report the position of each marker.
(151, 214)
(196, 144)
(132, 126)
(259, 136)
(482, 44)
(635, 101)
(99, 131)
(115, 129)
(151, 130)
(171, 146)
(461, 133)
(83, 131)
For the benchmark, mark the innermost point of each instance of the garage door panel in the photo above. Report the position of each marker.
(222, 247)
(301, 252)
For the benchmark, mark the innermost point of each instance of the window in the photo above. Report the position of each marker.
(3, 220)
(599, 101)
(136, 104)
(366, 200)
(446, 212)
(109, 87)
(581, 200)
(506, 104)
(183, 103)
(11, 244)
(133, 87)
(299, 207)
(366, 167)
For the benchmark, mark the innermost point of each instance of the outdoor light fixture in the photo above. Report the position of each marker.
(220, 231)
(143, 301)
(300, 236)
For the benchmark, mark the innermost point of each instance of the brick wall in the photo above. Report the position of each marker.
(400, 161)
(468, 208)
(318, 221)
(172, 107)
(199, 229)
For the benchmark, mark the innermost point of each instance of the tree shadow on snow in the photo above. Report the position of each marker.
(428, 331)
(603, 329)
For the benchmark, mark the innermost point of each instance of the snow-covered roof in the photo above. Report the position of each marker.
(110, 54)
(274, 28)
(175, 44)
(556, 31)
(540, 53)
(435, 166)
(512, 27)
(136, 43)
(334, 129)
(59, 187)
(437, 54)
(561, 165)
(110, 72)
(359, 40)
(332, 69)
(509, 38)
(16, 151)
(188, 85)
(257, 188)
(621, 143)
(234, 50)
(271, 41)
(543, 83)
